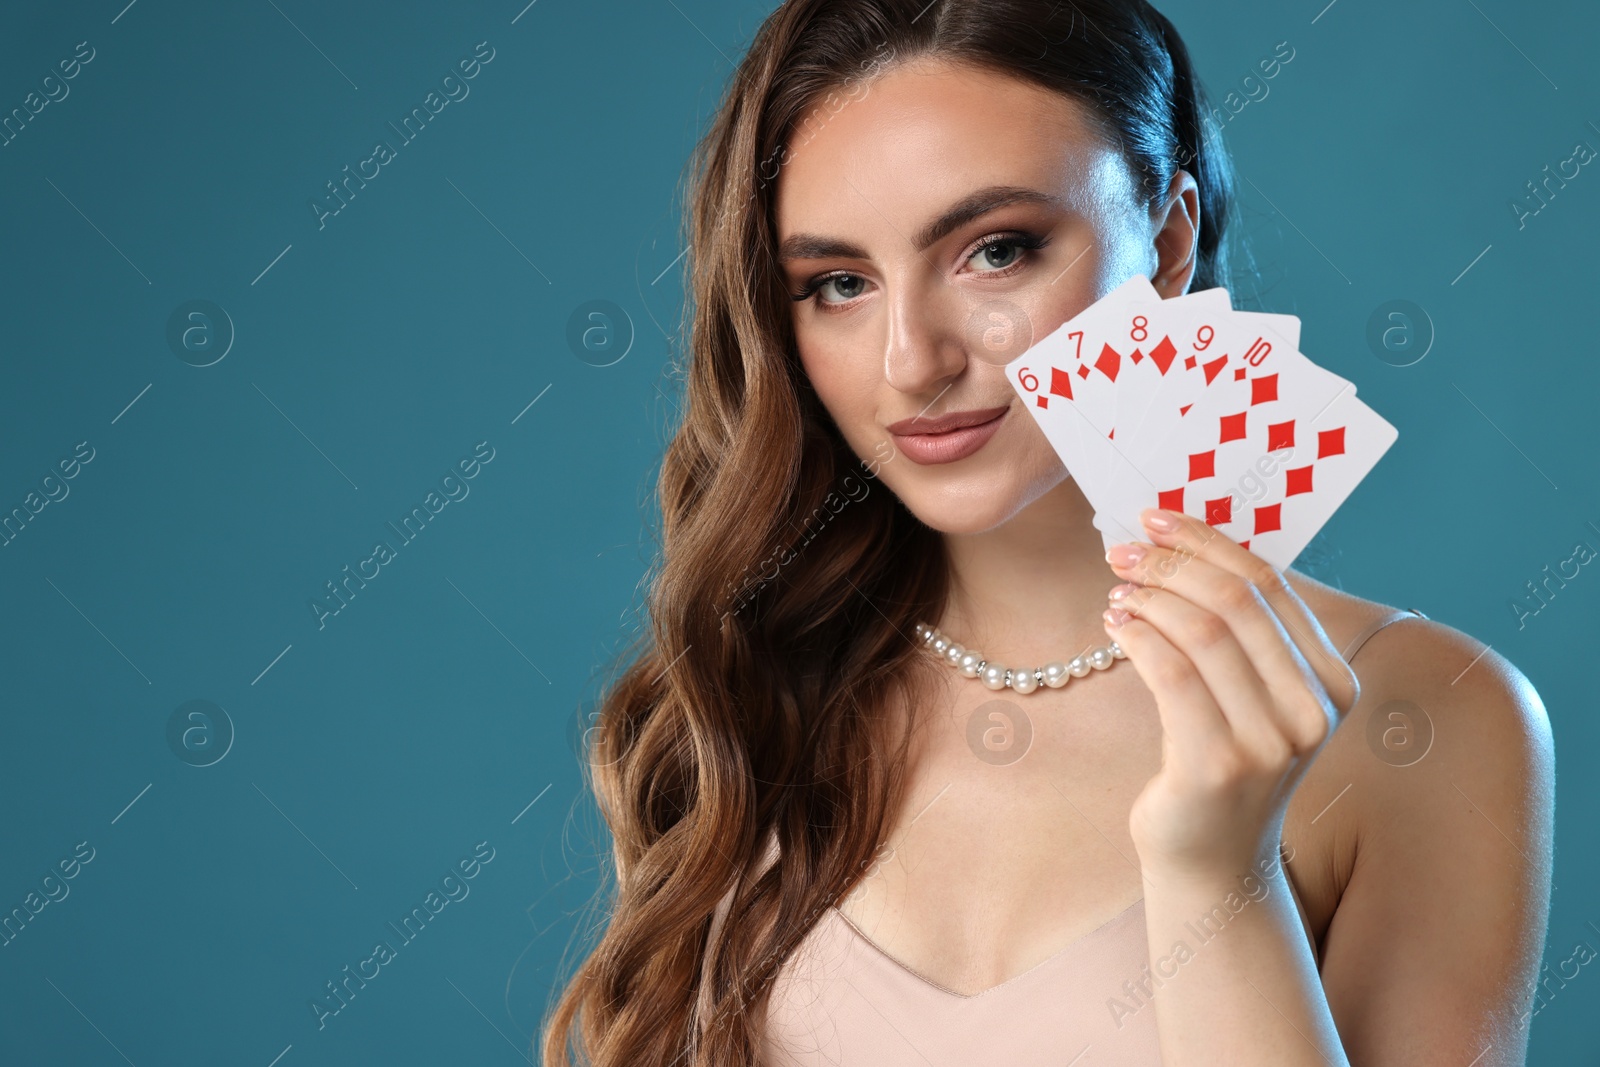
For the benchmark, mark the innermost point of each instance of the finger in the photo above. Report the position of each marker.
(1301, 625)
(1207, 640)
(1193, 726)
(1297, 699)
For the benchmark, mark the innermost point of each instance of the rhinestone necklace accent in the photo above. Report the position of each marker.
(972, 664)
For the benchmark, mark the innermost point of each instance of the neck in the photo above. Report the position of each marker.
(1032, 589)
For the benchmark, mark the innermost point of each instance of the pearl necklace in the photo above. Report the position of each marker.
(998, 676)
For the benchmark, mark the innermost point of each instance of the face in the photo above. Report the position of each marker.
(939, 222)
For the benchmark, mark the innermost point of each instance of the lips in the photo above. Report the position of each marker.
(955, 420)
(960, 434)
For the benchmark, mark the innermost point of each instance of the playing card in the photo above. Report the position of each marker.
(1205, 357)
(1125, 348)
(1190, 405)
(1331, 454)
(1122, 338)
(1276, 505)
(1178, 322)
(1216, 450)
(1218, 378)
(1070, 378)
(1172, 337)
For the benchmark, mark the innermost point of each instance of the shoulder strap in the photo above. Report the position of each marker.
(1364, 635)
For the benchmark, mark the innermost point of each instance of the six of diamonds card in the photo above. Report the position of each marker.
(1190, 405)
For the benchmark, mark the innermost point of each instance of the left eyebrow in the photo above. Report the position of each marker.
(969, 207)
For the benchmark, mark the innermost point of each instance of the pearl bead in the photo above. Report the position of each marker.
(968, 664)
(1022, 680)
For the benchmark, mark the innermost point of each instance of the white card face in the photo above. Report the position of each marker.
(1334, 451)
(1129, 341)
(1069, 379)
(1190, 323)
(1244, 383)
(1040, 378)
(1140, 468)
(1158, 334)
(1173, 333)
(1215, 460)
(1195, 461)
(1188, 404)
(1203, 359)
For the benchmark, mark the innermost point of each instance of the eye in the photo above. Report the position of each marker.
(847, 284)
(1003, 250)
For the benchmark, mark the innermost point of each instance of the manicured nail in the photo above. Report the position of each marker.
(1124, 555)
(1115, 617)
(1121, 592)
(1157, 519)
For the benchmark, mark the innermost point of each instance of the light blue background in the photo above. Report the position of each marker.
(373, 354)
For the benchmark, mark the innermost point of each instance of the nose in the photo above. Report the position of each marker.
(924, 348)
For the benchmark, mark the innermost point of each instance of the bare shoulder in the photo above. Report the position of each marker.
(1426, 662)
(1434, 700)
(1430, 810)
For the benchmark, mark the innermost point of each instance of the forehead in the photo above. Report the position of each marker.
(924, 133)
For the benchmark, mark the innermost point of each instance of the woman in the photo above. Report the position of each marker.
(829, 846)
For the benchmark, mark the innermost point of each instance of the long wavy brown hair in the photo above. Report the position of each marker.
(785, 595)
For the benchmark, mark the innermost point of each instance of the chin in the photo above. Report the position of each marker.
(968, 505)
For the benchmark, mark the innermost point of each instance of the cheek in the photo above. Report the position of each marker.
(842, 381)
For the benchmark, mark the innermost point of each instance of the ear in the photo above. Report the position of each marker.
(1175, 225)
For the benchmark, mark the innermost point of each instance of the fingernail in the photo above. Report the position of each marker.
(1115, 617)
(1121, 592)
(1124, 555)
(1161, 520)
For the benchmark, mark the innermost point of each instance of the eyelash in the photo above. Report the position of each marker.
(1028, 242)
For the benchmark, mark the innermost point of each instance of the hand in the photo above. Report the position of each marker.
(1247, 684)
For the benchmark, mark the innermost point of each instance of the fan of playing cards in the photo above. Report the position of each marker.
(1189, 405)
